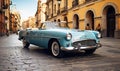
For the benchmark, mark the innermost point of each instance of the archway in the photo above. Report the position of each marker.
(109, 14)
(90, 18)
(110, 21)
(76, 21)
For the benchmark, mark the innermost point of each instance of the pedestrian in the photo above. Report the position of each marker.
(7, 32)
(88, 27)
(98, 28)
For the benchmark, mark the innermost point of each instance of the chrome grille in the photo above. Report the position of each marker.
(84, 43)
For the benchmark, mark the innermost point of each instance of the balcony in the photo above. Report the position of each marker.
(64, 9)
(88, 1)
(58, 12)
(75, 3)
(51, 15)
(5, 6)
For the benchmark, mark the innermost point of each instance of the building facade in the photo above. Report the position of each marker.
(79, 13)
(29, 23)
(4, 16)
(15, 24)
(15, 19)
(40, 13)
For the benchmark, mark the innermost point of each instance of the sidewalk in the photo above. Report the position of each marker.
(10, 41)
(110, 42)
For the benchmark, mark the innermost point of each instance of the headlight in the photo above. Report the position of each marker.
(99, 35)
(69, 36)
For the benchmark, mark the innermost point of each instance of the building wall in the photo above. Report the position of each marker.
(92, 12)
(4, 16)
(38, 14)
(15, 19)
(29, 23)
(41, 13)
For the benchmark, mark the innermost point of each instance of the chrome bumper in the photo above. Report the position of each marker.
(80, 48)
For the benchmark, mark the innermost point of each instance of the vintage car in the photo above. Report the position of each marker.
(58, 38)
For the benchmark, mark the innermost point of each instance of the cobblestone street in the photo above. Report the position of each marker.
(13, 57)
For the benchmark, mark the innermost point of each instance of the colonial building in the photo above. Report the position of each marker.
(15, 19)
(79, 13)
(4, 16)
(25, 24)
(40, 13)
(29, 23)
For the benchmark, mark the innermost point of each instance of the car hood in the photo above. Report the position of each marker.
(78, 34)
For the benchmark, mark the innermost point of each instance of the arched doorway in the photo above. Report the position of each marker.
(76, 21)
(59, 20)
(110, 17)
(90, 18)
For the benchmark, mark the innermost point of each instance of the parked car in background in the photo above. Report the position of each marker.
(57, 38)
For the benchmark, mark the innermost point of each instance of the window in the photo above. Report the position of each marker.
(54, 9)
(75, 3)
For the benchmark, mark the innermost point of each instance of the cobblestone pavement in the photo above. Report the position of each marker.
(13, 57)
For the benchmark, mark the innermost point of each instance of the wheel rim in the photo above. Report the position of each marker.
(55, 49)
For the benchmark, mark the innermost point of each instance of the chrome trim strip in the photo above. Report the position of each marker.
(44, 37)
(80, 48)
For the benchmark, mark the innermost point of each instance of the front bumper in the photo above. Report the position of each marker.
(81, 47)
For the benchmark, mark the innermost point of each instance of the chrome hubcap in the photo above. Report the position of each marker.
(55, 48)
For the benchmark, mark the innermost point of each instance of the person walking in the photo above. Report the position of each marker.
(88, 27)
(98, 28)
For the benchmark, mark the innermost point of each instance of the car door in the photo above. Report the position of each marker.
(32, 36)
(36, 37)
(42, 38)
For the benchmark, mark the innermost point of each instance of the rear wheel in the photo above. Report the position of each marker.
(55, 49)
(90, 51)
(25, 43)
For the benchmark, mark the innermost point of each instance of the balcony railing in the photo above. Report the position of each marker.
(64, 9)
(58, 12)
(5, 6)
(75, 3)
(87, 1)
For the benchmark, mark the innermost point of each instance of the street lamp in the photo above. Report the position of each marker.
(59, 1)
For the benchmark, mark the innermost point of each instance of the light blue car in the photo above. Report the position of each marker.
(57, 38)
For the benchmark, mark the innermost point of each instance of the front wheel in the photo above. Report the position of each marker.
(55, 49)
(25, 43)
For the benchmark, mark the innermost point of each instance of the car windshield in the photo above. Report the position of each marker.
(53, 25)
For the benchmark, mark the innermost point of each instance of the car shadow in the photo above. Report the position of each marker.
(37, 51)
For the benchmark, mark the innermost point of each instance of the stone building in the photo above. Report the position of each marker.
(15, 20)
(4, 16)
(41, 12)
(29, 23)
(77, 13)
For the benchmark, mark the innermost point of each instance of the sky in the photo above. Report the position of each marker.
(26, 8)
